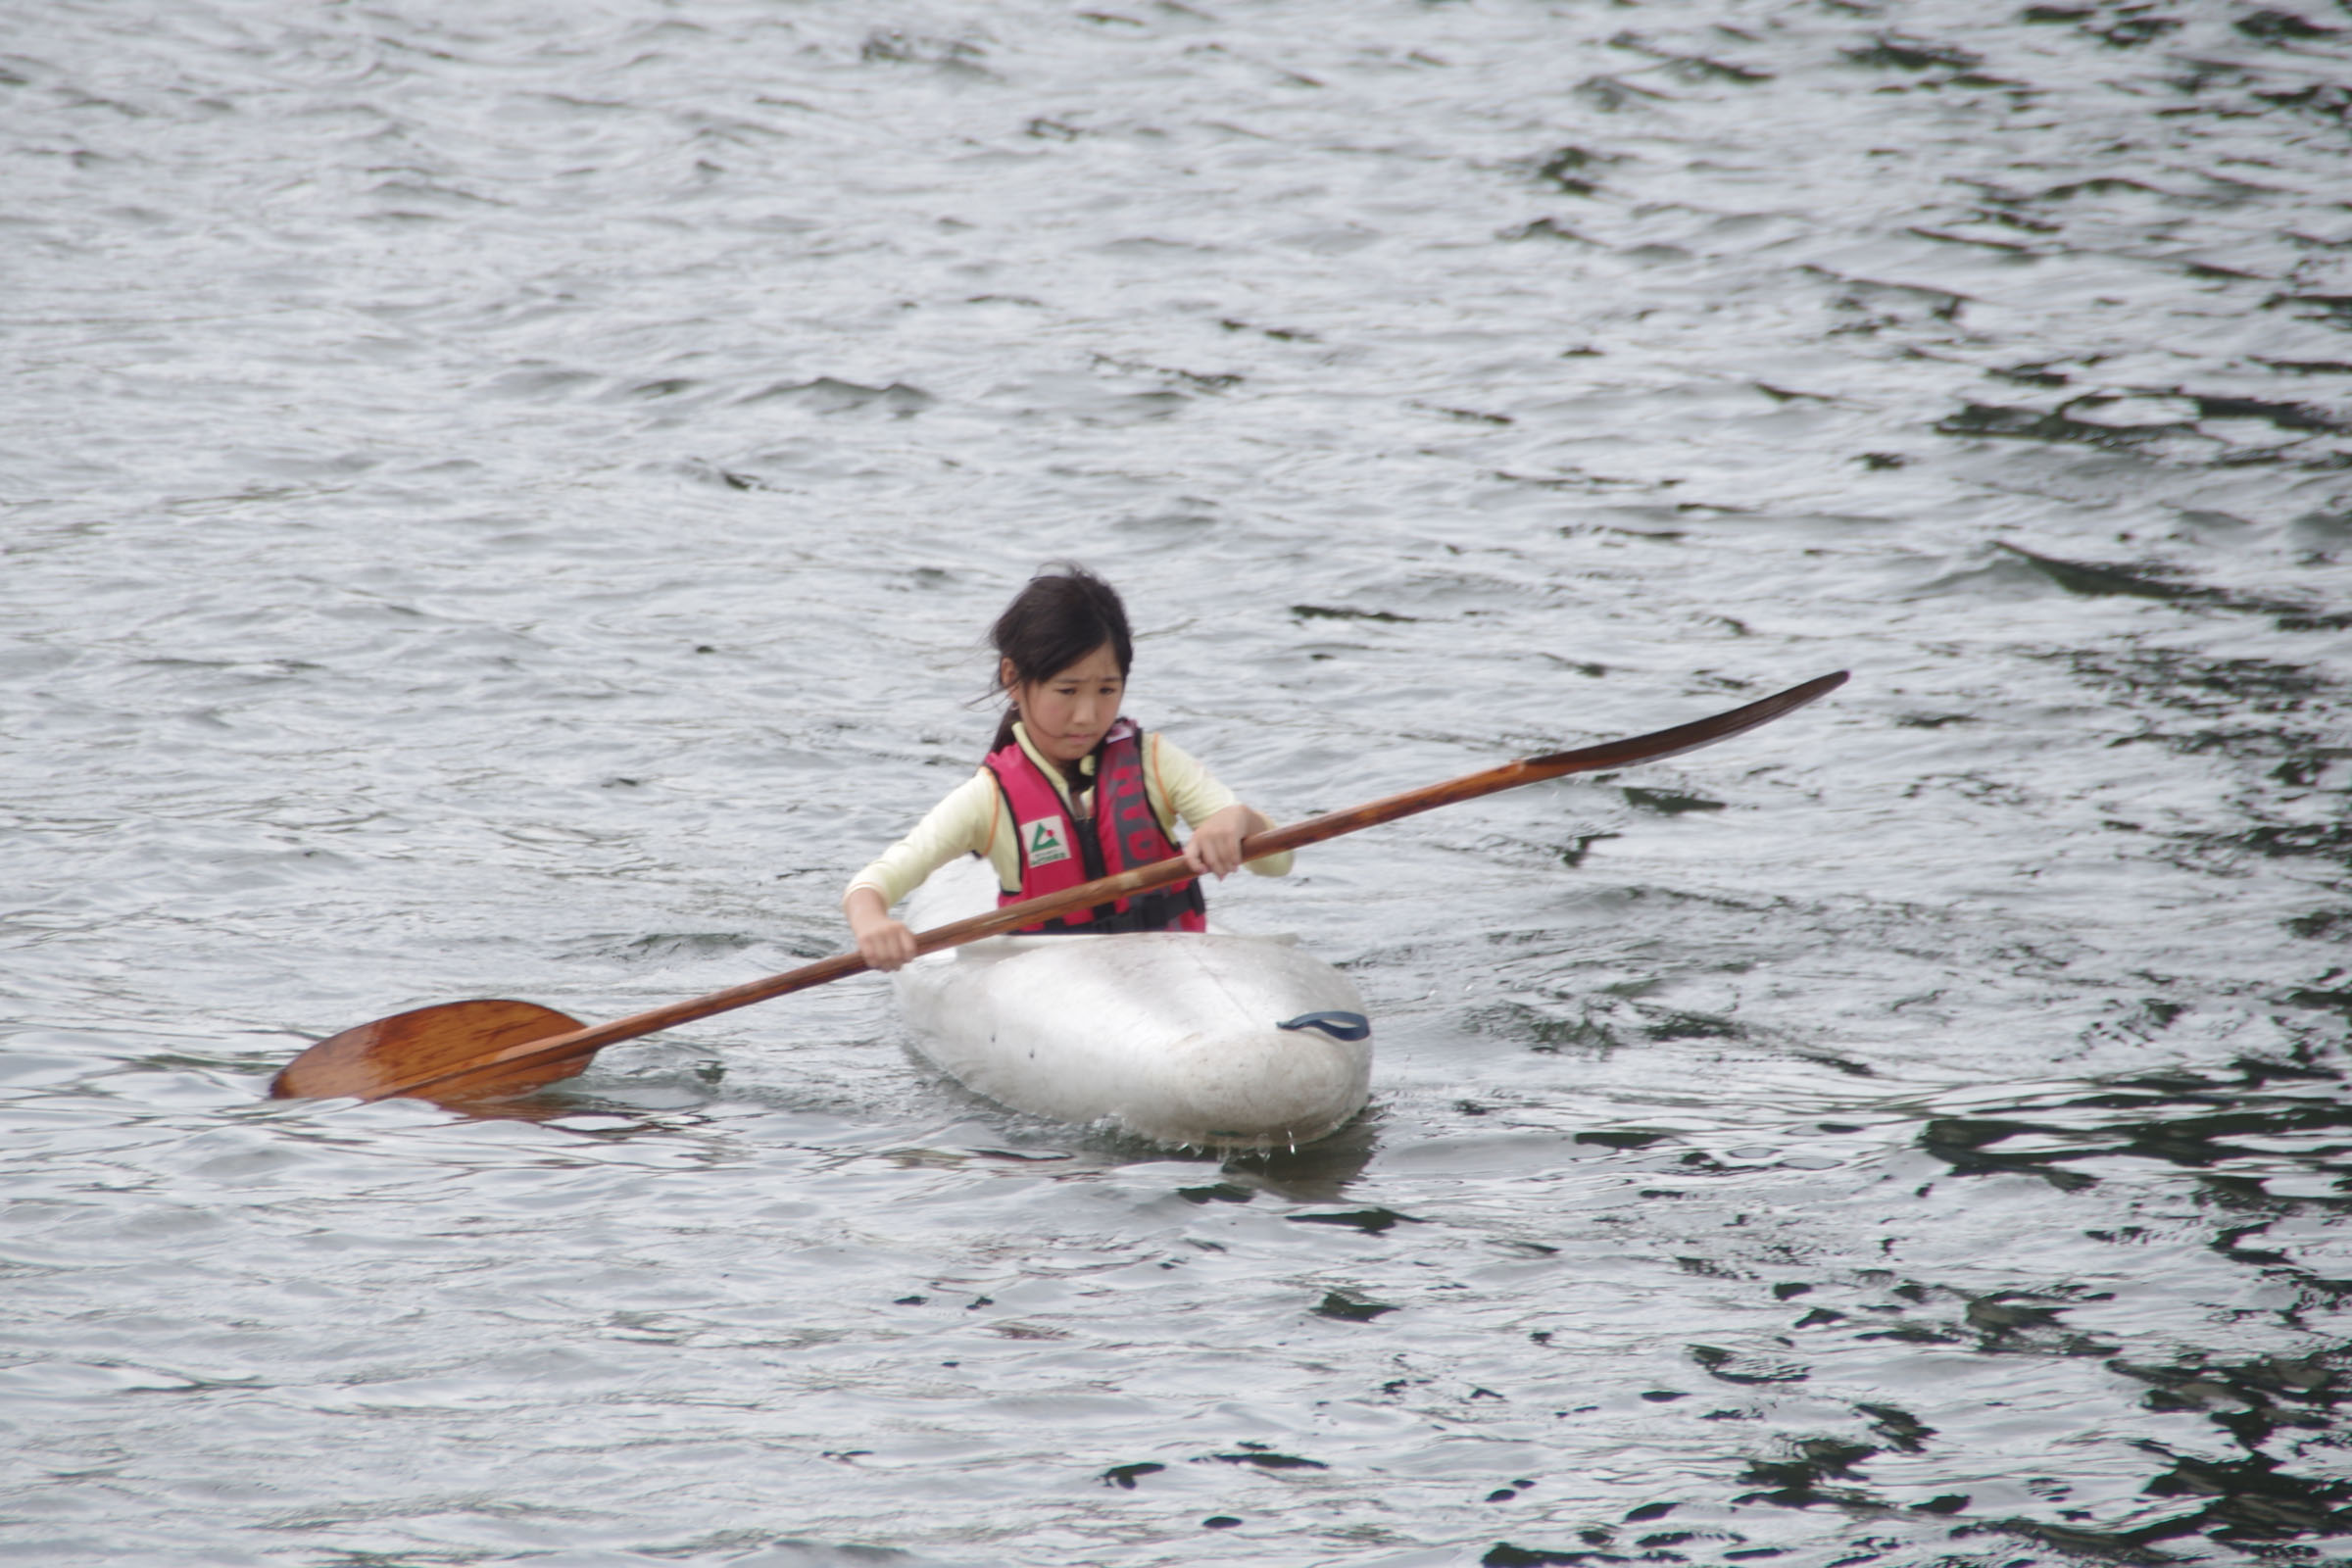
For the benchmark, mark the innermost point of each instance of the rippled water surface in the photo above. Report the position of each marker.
(503, 500)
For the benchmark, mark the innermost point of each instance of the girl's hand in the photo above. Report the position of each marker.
(1216, 844)
(888, 946)
(883, 943)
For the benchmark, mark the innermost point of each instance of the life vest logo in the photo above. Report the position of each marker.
(1042, 843)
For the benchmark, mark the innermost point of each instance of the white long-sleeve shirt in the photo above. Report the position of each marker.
(974, 820)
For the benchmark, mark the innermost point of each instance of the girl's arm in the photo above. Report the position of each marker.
(1211, 811)
(964, 822)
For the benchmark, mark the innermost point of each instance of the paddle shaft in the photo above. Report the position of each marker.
(1658, 744)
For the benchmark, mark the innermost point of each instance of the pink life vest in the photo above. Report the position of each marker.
(1124, 833)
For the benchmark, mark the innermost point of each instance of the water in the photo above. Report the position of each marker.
(504, 501)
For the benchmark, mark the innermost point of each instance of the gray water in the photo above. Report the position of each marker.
(504, 500)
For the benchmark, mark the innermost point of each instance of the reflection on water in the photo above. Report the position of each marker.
(497, 502)
(2242, 1136)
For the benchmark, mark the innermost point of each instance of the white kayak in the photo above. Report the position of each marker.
(1209, 1040)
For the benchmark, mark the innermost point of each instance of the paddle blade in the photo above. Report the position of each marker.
(372, 1060)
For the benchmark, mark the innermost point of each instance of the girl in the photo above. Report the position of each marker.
(1070, 790)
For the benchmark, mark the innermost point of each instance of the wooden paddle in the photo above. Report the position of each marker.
(486, 1049)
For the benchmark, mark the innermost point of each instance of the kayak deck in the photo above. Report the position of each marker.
(1167, 1036)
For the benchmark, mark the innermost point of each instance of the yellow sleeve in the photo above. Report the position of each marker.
(1177, 783)
(962, 823)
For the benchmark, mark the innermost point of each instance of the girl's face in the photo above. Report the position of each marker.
(1068, 713)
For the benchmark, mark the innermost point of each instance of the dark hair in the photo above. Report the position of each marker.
(1064, 614)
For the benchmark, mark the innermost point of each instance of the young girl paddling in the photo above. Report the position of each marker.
(1070, 790)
